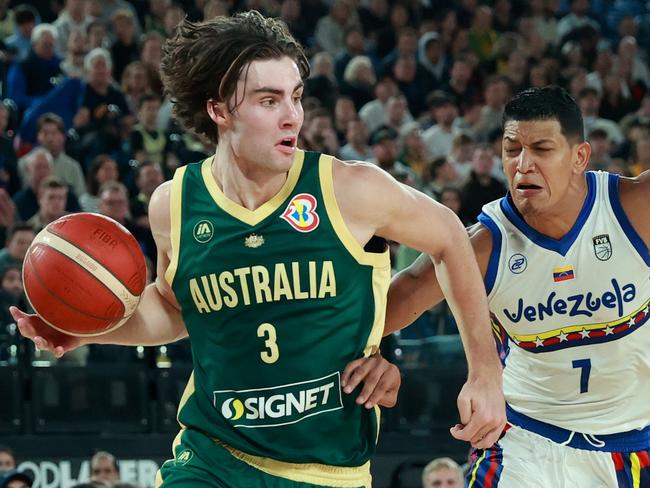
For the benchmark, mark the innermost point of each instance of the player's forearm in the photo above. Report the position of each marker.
(155, 322)
(412, 291)
(460, 279)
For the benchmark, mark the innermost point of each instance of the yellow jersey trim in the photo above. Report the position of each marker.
(175, 206)
(187, 393)
(342, 231)
(252, 217)
(317, 474)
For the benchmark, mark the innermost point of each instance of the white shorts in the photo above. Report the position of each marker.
(523, 459)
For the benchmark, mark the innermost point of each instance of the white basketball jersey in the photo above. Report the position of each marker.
(571, 314)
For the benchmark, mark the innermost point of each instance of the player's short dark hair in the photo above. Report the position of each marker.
(547, 103)
(204, 61)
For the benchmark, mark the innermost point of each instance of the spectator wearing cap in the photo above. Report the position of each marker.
(21, 41)
(384, 148)
(438, 138)
(34, 77)
(589, 103)
(15, 479)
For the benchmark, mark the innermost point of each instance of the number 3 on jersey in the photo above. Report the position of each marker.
(272, 353)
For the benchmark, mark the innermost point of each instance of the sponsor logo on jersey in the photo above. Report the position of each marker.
(602, 247)
(184, 457)
(301, 213)
(280, 405)
(517, 263)
(574, 305)
(203, 231)
(563, 274)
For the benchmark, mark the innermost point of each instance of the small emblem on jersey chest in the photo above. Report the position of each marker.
(253, 241)
(602, 247)
(301, 213)
(203, 231)
(517, 263)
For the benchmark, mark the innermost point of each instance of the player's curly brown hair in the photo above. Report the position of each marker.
(204, 60)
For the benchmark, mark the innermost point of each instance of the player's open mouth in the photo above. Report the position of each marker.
(287, 145)
(528, 186)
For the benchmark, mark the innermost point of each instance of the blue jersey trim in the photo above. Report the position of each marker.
(632, 235)
(493, 263)
(631, 441)
(561, 246)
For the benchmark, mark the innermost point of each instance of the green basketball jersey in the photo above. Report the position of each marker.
(277, 301)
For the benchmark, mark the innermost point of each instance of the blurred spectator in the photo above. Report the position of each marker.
(375, 113)
(496, 93)
(103, 467)
(292, 15)
(20, 42)
(73, 63)
(354, 46)
(601, 148)
(482, 36)
(413, 150)
(330, 30)
(150, 54)
(11, 294)
(439, 137)
(38, 73)
(7, 460)
(97, 36)
(640, 117)
(441, 175)
(344, 112)
(39, 167)
(51, 136)
(124, 49)
(384, 148)
(640, 157)
(459, 86)
(7, 20)
(407, 45)
(397, 113)
(462, 150)
(135, 84)
(386, 37)
(15, 479)
(72, 18)
(357, 148)
(102, 169)
(577, 18)
(52, 197)
(544, 19)
(589, 102)
(432, 57)
(148, 177)
(154, 19)
(413, 81)
(108, 7)
(146, 140)
(173, 16)
(321, 83)
(319, 134)
(359, 80)
(481, 187)
(442, 473)
(19, 238)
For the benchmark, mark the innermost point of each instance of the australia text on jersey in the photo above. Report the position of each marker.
(262, 284)
(579, 304)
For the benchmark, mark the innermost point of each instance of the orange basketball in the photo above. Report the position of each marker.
(84, 274)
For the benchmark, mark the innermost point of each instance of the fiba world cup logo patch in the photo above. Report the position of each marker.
(301, 213)
(602, 247)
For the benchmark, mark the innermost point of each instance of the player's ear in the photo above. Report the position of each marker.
(582, 155)
(218, 112)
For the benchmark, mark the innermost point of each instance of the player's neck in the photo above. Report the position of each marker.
(557, 221)
(243, 182)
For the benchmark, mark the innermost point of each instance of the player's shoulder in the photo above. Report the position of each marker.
(159, 206)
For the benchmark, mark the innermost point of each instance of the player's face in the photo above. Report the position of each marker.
(263, 130)
(541, 164)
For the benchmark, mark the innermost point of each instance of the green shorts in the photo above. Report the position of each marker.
(201, 462)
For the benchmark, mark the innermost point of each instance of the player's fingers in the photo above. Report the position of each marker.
(358, 374)
(26, 329)
(42, 343)
(347, 372)
(370, 383)
(17, 313)
(489, 439)
(464, 408)
(468, 431)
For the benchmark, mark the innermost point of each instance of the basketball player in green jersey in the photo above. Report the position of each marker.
(267, 260)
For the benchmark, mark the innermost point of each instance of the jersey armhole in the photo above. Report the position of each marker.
(340, 228)
(632, 235)
(495, 254)
(175, 209)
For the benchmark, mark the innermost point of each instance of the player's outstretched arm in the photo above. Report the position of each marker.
(157, 319)
(372, 203)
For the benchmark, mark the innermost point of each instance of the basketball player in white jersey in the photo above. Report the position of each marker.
(567, 270)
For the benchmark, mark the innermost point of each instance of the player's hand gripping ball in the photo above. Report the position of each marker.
(84, 274)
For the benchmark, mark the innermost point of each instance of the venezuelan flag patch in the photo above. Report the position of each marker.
(563, 274)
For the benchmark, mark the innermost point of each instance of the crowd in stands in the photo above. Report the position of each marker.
(414, 86)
